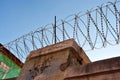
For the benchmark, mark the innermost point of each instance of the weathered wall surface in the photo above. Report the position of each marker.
(67, 61)
(101, 70)
(51, 62)
(41, 68)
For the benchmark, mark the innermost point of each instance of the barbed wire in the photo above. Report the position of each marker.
(98, 25)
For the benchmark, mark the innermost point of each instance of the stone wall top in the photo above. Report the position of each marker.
(102, 66)
(54, 48)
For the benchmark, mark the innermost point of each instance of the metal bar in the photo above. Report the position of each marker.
(54, 27)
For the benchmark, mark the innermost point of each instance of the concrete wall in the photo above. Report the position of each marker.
(67, 61)
(51, 62)
(108, 69)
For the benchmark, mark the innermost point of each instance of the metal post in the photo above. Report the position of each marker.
(63, 30)
(54, 27)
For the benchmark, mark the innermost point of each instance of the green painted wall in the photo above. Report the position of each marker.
(14, 69)
(1, 72)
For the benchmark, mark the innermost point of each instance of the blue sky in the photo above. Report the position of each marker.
(18, 17)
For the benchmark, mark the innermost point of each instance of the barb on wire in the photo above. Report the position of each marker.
(92, 30)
